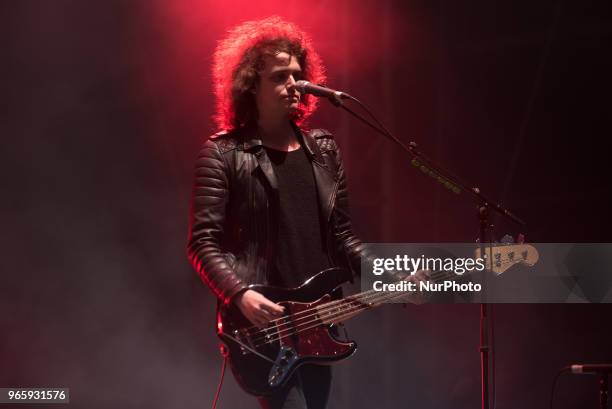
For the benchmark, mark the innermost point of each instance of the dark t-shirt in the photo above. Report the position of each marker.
(301, 251)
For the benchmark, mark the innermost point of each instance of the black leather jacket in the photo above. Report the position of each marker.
(233, 224)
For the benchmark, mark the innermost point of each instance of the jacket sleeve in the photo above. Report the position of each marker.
(207, 219)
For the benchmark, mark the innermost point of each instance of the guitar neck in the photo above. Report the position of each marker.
(500, 258)
(341, 310)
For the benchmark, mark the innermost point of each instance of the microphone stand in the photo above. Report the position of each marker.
(457, 186)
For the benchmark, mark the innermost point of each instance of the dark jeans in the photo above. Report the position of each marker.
(308, 388)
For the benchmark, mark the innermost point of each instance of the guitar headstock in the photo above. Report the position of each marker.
(500, 257)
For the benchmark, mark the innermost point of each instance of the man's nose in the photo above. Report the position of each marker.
(291, 86)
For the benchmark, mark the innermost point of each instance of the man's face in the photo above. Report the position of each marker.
(274, 94)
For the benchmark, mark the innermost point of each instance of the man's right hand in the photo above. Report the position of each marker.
(257, 308)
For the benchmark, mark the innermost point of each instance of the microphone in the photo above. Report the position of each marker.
(591, 369)
(307, 87)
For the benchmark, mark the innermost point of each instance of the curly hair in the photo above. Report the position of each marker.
(239, 58)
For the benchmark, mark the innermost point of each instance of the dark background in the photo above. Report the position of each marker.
(105, 103)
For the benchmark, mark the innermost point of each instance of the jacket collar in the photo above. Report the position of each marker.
(309, 143)
(325, 177)
(253, 142)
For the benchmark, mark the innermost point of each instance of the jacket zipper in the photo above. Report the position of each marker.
(268, 245)
(330, 233)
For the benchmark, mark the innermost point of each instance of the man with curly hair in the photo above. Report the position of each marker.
(270, 200)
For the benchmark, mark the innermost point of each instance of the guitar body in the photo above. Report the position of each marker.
(263, 360)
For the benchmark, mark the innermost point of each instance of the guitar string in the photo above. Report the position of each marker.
(292, 318)
(308, 310)
(251, 349)
(337, 316)
(436, 275)
(362, 296)
(379, 297)
(316, 311)
(340, 312)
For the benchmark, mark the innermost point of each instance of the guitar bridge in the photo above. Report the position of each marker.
(284, 362)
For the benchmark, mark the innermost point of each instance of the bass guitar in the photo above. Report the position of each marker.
(263, 359)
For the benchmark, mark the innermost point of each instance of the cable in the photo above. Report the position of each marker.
(552, 392)
(224, 352)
